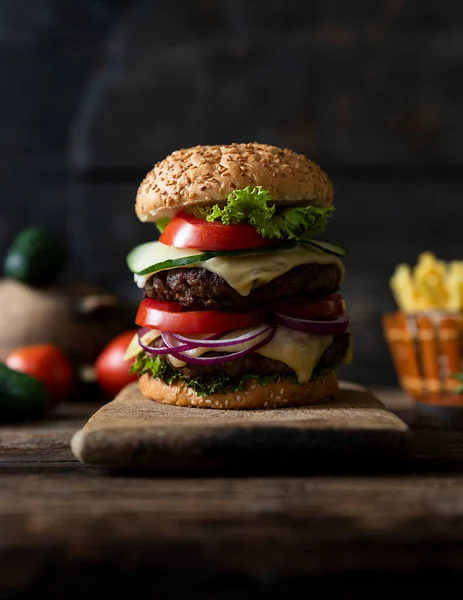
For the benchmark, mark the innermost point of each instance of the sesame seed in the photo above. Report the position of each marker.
(265, 404)
(282, 391)
(217, 403)
(208, 401)
(227, 402)
(285, 400)
(238, 398)
(221, 405)
(271, 394)
(231, 165)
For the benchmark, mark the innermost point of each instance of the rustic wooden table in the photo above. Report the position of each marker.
(71, 531)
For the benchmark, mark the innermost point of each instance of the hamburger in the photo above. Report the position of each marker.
(241, 306)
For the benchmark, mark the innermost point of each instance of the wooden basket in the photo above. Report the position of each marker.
(427, 350)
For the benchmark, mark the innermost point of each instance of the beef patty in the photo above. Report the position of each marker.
(200, 289)
(260, 365)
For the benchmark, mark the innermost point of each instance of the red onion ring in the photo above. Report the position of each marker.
(209, 343)
(216, 360)
(152, 349)
(334, 327)
(166, 349)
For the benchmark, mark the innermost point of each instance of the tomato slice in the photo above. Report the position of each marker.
(187, 231)
(166, 306)
(150, 314)
(324, 309)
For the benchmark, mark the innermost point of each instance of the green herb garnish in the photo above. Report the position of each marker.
(207, 385)
(459, 389)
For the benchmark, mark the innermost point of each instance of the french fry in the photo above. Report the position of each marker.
(429, 279)
(431, 285)
(454, 282)
(402, 288)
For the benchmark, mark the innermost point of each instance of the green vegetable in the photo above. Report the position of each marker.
(162, 223)
(255, 206)
(206, 385)
(459, 376)
(134, 257)
(327, 247)
(35, 257)
(22, 398)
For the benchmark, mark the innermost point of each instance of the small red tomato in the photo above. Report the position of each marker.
(46, 363)
(112, 371)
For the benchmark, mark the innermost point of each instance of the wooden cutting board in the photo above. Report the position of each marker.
(354, 431)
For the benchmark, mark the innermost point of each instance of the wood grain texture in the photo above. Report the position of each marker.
(134, 432)
(386, 78)
(87, 531)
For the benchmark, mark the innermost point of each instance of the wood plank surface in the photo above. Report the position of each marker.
(353, 430)
(80, 531)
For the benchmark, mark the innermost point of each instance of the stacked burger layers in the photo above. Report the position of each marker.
(241, 303)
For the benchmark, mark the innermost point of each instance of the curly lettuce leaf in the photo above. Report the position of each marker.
(255, 206)
(206, 385)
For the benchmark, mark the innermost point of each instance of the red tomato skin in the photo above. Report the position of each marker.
(165, 306)
(326, 308)
(205, 321)
(48, 364)
(187, 231)
(112, 372)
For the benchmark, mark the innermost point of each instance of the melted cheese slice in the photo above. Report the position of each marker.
(246, 272)
(300, 351)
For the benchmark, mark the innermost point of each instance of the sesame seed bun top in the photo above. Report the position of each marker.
(208, 174)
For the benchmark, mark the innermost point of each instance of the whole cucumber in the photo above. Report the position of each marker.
(22, 398)
(35, 257)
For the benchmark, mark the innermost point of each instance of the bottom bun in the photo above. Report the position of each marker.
(275, 395)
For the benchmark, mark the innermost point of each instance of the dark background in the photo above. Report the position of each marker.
(94, 92)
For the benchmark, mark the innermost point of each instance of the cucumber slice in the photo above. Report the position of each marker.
(140, 260)
(144, 256)
(327, 247)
